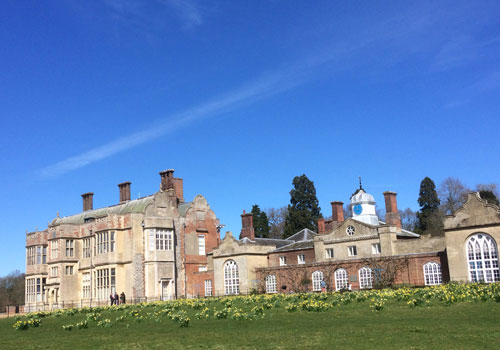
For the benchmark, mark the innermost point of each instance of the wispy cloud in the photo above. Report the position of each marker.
(339, 56)
(188, 11)
(268, 85)
(462, 50)
(152, 13)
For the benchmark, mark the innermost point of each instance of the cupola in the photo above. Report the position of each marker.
(363, 206)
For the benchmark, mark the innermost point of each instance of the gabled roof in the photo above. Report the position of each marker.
(303, 239)
(134, 206)
(303, 235)
(299, 245)
(265, 241)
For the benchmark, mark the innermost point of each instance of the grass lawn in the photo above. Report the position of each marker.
(462, 325)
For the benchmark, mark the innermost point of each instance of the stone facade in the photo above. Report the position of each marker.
(476, 217)
(150, 248)
(161, 247)
(358, 252)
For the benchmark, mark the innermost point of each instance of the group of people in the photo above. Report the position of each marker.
(115, 299)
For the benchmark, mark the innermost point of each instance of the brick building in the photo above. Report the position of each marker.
(150, 248)
(160, 247)
(362, 251)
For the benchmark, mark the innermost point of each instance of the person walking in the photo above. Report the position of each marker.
(122, 298)
(112, 298)
(117, 300)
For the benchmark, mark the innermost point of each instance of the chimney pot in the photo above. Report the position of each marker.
(88, 201)
(247, 229)
(337, 211)
(124, 191)
(321, 225)
(392, 216)
(167, 179)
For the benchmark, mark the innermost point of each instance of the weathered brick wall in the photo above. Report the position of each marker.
(410, 271)
(291, 257)
(200, 220)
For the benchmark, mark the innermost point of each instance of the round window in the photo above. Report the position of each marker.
(350, 230)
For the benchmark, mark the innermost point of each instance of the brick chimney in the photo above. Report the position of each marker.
(169, 182)
(247, 229)
(179, 188)
(337, 211)
(392, 216)
(167, 179)
(321, 225)
(124, 191)
(88, 201)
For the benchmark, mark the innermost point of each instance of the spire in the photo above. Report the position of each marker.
(359, 189)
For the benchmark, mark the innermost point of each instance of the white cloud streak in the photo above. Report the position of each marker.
(187, 11)
(344, 54)
(267, 86)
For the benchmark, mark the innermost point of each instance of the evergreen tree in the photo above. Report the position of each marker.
(429, 216)
(489, 197)
(303, 210)
(260, 222)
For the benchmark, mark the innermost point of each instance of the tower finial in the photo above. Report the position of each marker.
(360, 186)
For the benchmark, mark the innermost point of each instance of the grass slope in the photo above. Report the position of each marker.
(462, 325)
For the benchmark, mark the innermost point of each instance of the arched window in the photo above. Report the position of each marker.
(365, 278)
(482, 256)
(271, 284)
(341, 279)
(231, 278)
(432, 274)
(317, 277)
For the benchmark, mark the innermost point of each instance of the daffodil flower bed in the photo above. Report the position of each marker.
(250, 308)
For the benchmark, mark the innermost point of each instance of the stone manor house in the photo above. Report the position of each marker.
(160, 247)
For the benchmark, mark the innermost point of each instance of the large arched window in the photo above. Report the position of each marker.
(231, 278)
(432, 274)
(317, 277)
(341, 279)
(271, 284)
(365, 278)
(482, 256)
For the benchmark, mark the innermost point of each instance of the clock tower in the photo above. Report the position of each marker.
(363, 206)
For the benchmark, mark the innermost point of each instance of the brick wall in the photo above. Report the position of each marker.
(409, 271)
(291, 257)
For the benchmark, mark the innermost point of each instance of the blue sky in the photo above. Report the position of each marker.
(239, 97)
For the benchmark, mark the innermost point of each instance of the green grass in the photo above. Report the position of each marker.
(353, 325)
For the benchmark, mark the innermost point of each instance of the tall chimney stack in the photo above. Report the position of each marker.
(321, 225)
(392, 216)
(247, 229)
(337, 211)
(124, 191)
(88, 201)
(167, 179)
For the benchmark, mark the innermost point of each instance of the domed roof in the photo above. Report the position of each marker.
(360, 196)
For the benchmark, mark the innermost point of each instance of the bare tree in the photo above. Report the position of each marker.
(347, 211)
(329, 275)
(12, 289)
(276, 218)
(452, 195)
(488, 187)
(380, 213)
(408, 219)
(296, 279)
(386, 269)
